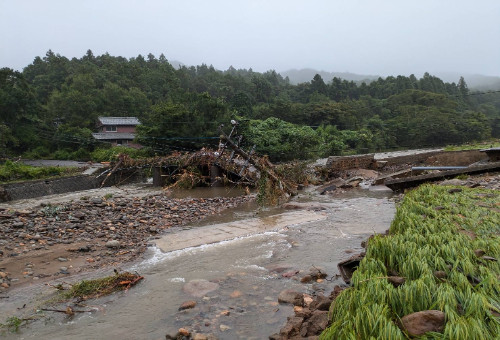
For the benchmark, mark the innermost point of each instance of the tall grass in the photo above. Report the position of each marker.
(426, 236)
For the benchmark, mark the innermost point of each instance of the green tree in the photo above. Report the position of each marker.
(282, 141)
(19, 111)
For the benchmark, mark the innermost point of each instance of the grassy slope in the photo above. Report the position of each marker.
(428, 234)
(11, 172)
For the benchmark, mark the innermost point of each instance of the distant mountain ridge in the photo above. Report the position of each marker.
(304, 75)
(476, 82)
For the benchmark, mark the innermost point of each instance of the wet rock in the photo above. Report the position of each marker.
(187, 305)
(479, 252)
(316, 323)
(307, 300)
(292, 326)
(396, 281)
(317, 273)
(306, 279)
(290, 273)
(84, 249)
(419, 323)
(17, 225)
(199, 288)
(321, 303)
(327, 189)
(96, 200)
(302, 312)
(292, 297)
(440, 274)
(224, 328)
(183, 332)
(349, 266)
(113, 244)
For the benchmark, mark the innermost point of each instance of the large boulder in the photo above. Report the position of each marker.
(291, 296)
(315, 324)
(419, 323)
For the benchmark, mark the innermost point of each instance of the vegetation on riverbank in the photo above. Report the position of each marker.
(494, 143)
(444, 242)
(16, 171)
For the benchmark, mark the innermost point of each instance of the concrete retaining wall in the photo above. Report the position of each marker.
(38, 188)
(436, 158)
(350, 162)
(442, 158)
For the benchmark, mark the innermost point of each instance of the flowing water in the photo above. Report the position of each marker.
(242, 272)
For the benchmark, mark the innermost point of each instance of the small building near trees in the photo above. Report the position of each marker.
(117, 131)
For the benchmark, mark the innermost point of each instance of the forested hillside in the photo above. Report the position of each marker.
(50, 109)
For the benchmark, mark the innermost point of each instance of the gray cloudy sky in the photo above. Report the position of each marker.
(361, 36)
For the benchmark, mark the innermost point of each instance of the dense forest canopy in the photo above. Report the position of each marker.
(50, 109)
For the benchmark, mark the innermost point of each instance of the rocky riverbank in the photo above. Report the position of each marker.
(53, 241)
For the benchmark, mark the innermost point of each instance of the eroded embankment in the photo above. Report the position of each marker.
(436, 273)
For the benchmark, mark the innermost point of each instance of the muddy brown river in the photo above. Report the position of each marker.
(240, 256)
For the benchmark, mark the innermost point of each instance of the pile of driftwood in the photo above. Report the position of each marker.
(229, 165)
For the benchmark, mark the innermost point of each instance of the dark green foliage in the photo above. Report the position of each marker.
(54, 103)
(282, 141)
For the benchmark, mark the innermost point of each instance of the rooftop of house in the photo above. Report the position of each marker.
(119, 121)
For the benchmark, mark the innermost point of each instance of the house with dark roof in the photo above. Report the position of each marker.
(117, 131)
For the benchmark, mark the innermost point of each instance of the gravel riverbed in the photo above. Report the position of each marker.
(53, 241)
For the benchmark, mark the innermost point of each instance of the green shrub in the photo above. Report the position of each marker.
(40, 152)
(62, 155)
(80, 155)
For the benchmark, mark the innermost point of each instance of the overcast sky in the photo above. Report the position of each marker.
(372, 37)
